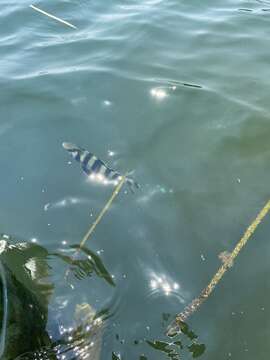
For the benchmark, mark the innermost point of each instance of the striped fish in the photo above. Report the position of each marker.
(95, 168)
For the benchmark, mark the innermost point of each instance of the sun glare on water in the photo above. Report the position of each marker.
(158, 93)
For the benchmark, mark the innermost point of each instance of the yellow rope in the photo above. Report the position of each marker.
(100, 216)
(103, 211)
(195, 304)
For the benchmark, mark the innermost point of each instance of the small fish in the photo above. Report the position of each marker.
(95, 168)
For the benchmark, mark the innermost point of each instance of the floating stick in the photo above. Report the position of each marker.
(53, 17)
(100, 216)
(176, 325)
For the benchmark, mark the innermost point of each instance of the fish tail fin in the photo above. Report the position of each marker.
(132, 184)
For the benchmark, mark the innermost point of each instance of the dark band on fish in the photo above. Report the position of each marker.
(107, 172)
(96, 166)
(77, 156)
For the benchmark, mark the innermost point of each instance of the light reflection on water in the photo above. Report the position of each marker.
(161, 284)
(66, 202)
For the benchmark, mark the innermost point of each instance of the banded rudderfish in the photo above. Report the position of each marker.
(95, 168)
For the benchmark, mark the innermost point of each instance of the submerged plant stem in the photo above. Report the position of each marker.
(176, 325)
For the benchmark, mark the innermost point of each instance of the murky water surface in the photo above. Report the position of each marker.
(177, 91)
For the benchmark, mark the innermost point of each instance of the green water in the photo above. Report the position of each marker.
(119, 86)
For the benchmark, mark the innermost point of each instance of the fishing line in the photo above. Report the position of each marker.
(180, 318)
(103, 211)
(100, 216)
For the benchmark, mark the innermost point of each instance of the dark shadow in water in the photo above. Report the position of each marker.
(25, 293)
(26, 289)
(82, 342)
(174, 348)
(84, 267)
(99, 267)
(26, 275)
(186, 339)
